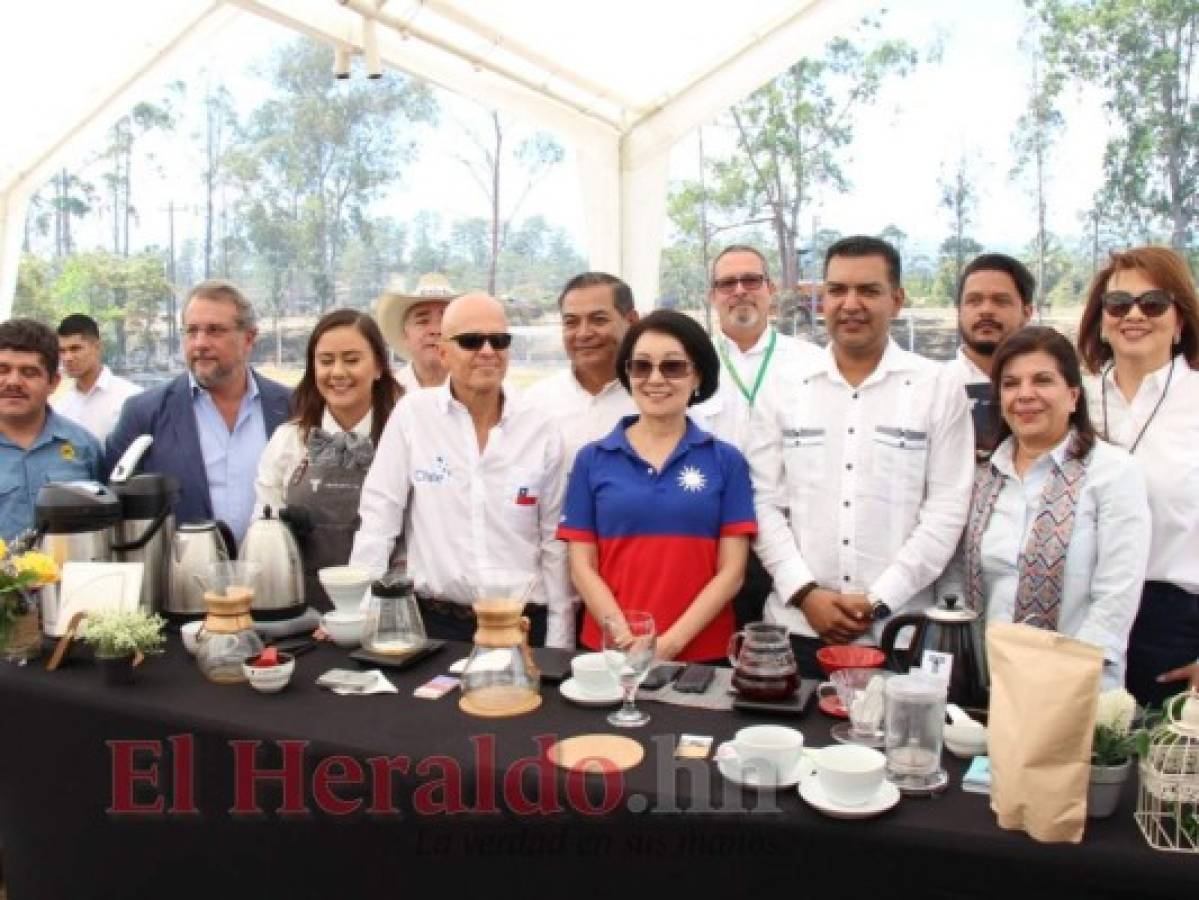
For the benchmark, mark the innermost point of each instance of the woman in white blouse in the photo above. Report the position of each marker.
(1139, 335)
(314, 465)
(1058, 530)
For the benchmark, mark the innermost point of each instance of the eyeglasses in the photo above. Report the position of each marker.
(1153, 303)
(214, 332)
(671, 369)
(749, 282)
(474, 340)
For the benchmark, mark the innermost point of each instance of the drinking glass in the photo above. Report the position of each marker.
(628, 650)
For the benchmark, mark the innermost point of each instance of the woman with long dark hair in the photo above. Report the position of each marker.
(1058, 530)
(1139, 335)
(315, 463)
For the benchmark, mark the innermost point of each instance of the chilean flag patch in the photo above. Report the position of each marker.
(524, 498)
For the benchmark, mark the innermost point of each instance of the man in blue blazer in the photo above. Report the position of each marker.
(210, 424)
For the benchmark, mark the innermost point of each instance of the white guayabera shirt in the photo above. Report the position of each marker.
(461, 510)
(862, 490)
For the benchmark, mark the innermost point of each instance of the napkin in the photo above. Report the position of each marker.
(379, 686)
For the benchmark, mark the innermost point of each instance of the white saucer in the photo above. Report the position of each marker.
(571, 691)
(886, 797)
(731, 770)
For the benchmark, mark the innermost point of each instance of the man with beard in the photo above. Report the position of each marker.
(210, 424)
(37, 445)
(752, 357)
(861, 466)
(995, 299)
(588, 400)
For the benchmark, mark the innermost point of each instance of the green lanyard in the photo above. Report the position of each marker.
(749, 395)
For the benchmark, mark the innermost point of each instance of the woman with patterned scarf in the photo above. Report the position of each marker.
(1058, 533)
(315, 463)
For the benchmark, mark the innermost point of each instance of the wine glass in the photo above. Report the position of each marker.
(628, 650)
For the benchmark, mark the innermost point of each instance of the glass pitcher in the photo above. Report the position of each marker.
(228, 637)
(394, 625)
(915, 720)
(763, 663)
(501, 678)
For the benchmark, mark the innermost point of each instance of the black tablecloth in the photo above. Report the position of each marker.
(663, 826)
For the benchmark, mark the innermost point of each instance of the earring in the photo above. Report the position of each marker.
(1103, 338)
(1177, 339)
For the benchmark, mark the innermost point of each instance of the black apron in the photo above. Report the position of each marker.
(323, 494)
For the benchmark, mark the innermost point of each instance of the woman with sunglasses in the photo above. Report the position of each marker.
(1059, 521)
(659, 514)
(314, 465)
(1139, 335)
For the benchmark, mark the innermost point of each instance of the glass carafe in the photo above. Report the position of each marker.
(763, 663)
(228, 637)
(915, 719)
(394, 625)
(501, 678)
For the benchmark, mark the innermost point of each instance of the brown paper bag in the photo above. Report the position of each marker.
(1044, 689)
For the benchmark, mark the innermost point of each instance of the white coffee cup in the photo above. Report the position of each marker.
(849, 774)
(770, 751)
(592, 675)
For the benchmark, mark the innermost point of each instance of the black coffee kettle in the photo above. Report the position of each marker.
(947, 627)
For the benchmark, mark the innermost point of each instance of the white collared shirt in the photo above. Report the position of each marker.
(1168, 455)
(283, 453)
(861, 490)
(1105, 562)
(966, 369)
(727, 413)
(582, 416)
(464, 510)
(98, 409)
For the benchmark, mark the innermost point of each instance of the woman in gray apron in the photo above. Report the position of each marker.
(314, 465)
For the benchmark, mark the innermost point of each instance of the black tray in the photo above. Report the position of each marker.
(397, 660)
(795, 705)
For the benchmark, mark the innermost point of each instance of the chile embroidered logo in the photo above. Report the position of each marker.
(525, 497)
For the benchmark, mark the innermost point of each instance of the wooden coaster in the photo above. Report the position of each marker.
(526, 704)
(598, 754)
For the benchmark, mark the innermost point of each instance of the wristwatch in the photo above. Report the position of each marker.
(878, 609)
(799, 596)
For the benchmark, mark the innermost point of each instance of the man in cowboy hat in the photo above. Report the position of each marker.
(411, 323)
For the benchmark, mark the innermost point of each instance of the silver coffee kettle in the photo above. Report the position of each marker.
(146, 531)
(195, 546)
(280, 589)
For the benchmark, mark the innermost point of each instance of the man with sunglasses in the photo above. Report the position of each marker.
(752, 356)
(862, 467)
(587, 400)
(211, 424)
(470, 477)
(994, 300)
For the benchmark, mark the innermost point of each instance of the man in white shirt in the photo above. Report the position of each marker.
(95, 399)
(472, 478)
(995, 299)
(862, 466)
(587, 400)
(411, 324)
(752, 356)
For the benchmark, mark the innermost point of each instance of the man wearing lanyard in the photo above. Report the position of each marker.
(471, 478)
(862, 466)
(752, 356)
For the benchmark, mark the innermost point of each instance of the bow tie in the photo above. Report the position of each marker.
(345, 450)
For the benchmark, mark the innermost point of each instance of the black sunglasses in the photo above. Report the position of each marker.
(1153, 303)
(749, 282)
(671, 369)
(474, 340)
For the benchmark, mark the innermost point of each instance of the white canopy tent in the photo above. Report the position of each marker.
(622, 80)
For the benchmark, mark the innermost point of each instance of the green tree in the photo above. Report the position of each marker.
(959, 196)
(1143, 53)
(34, 295)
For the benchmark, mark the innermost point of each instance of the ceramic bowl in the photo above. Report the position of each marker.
(344, 629)
(270, 679)
(966, 741)
(592, 675)
(345, 585)
(848, 656)
(190, 633)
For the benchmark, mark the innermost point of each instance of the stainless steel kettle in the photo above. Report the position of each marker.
(280, 587)
(146, 531)
(946, 628)
(194, 547)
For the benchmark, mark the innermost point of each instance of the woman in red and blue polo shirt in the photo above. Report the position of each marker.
(659, 514)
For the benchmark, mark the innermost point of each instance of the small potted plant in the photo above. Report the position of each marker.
(1112, 750)
(121, 639)
(22, 572)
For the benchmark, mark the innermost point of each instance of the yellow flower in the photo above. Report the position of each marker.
(38, 564)
(67, 451)
(3, 549)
